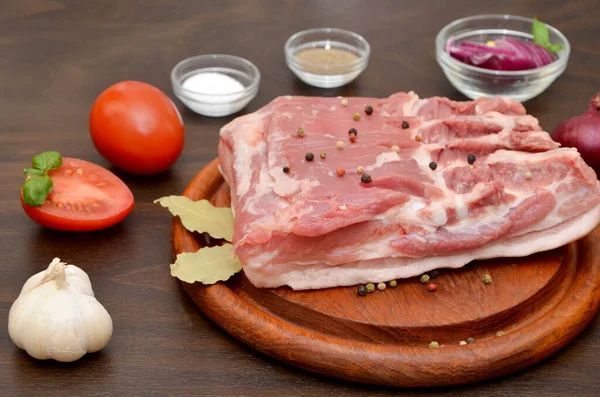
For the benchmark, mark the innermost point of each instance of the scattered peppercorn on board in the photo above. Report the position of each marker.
(485, 320)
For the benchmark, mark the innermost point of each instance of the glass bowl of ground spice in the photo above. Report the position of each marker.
(215, 85)
(327, 57)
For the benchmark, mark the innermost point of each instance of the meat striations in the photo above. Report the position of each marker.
(311, 228)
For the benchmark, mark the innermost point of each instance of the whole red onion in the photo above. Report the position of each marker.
(583, 132)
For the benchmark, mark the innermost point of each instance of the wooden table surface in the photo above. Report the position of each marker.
(57, 56)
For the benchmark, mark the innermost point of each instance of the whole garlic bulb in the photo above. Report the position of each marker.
(56, 315)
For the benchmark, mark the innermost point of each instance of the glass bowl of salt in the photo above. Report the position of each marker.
(215, 85)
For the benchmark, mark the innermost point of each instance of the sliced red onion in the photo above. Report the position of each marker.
(506, 54)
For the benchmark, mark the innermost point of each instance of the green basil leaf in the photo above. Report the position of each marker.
(541, 35)
(47, 161)
(36, 189)
(31, 171)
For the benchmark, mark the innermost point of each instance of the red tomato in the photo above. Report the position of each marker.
(137, 128)
(85, 197)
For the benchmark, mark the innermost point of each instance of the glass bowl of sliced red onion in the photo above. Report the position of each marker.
(496, 55)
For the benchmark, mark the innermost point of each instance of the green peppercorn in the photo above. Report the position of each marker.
(425, 278)
(366, 178)
(353, 131)
(309, 156)
(356, 116)
(487, 279)
(434, 274)
(370, 287)
(392, 283)
(286, 170)
(362, 290)
(499, 333)
(323, 155)
(434, 345)
(433, 165)
(369, 110)
(470, 340)
(471, 159)
(405, 124)
(300, 131)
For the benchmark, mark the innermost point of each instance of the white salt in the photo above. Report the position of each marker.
(212, 83)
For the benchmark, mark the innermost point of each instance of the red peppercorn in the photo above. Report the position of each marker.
(352, 138)
(432, 287)
(341, 172)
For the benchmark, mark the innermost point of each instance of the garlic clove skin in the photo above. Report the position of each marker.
(57, 317)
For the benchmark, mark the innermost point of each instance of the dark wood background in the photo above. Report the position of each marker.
(57, 56)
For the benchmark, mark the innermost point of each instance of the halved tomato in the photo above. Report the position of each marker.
(85, 197)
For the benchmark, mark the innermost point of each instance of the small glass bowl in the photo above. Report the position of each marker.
(475, 82)
(216, 105)
(327, 75)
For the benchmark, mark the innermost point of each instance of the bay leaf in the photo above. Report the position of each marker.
(200, 216)
(207, 265)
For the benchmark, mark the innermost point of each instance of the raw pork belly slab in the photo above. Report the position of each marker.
(310, 228)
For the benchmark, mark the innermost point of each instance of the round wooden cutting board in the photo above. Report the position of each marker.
(540, 302)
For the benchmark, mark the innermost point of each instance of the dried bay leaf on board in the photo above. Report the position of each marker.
(207, 265)
(200, 216)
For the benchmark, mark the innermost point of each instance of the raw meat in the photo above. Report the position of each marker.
(310, 228)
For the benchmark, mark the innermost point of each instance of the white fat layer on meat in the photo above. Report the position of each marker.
(384, 269)
(244, 151)
(383, 158)
(508, 156)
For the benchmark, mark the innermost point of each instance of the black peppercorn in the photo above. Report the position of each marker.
(309, 156)
(470, 340)
(362, 291)
(434, 274)
(369, 110)
(352, 131)
(433, 165)
(286, 169)
(471, 159)
(365, 178)
(405, 124)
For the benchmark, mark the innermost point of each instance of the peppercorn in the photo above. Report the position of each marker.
(418, 138)
(434, 274)
(352, 138)
(471, 159)
(499, 333)
(392, 283)
(433, 165)
(340, 171)
(362, 290)
(487, 279)
(370, 287)
(323, 155)
(352, 131)
(470, 340)
(434, 345)
(381, 286)
(369, 110)
(528, 175)
(432, 287)
(309, 156)
(425, 278)
(356, 116)
(339, 145)
(365, 178)
(344, 102)
(395, 148)
(286, 170)
(462, 343)
(405, 124)
(360, 169)
(300, 131)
